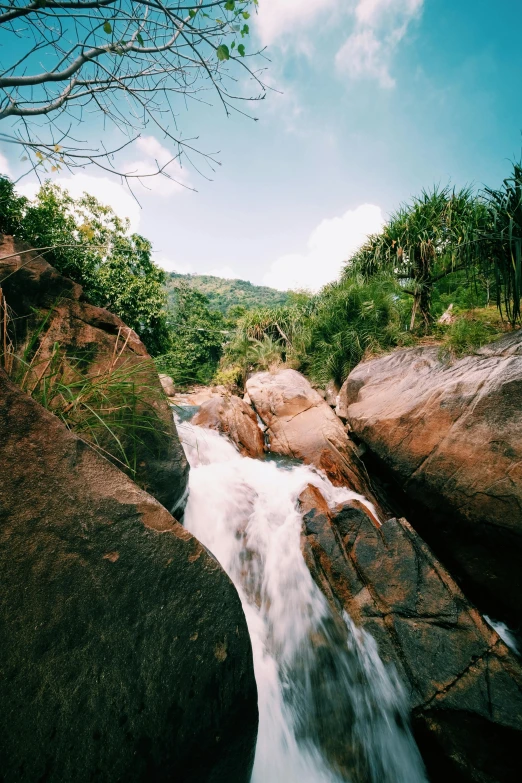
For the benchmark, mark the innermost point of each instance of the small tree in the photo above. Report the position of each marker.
(197, 337)
(129, 61)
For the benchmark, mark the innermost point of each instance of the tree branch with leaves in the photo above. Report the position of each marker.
(131, 63)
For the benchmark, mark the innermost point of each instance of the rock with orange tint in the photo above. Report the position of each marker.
(301, 424)
(464, 684)
(450, 435)
(48, 314)
(125, 654)
(231, 416)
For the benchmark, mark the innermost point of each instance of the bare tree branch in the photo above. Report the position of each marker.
(123, 60)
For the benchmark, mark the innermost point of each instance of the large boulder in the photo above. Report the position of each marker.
(450, 434)
(125, 653)
(301, 424)
(464, 684)
(49, 314)
(232, 417)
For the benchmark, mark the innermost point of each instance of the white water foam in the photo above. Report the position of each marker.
(330, 711)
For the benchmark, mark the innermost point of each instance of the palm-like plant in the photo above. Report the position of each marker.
(500, 242)
(423, 242)
(352, 317)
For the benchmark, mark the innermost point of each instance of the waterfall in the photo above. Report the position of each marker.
(329, 709)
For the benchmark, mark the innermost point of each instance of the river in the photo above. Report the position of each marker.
(330, 711)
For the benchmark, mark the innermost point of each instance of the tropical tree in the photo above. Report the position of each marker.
(129, 62)
(423, 242)
(351, 318)
(500, 242)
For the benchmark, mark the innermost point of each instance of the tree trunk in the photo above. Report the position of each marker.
(425, 304)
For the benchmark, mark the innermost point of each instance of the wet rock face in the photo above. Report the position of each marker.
(48, 308)
(232, 416)
(464, 685)
(301, 424)
(451, 435)
(125, 653)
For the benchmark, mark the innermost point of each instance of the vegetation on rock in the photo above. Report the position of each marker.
(91, 245)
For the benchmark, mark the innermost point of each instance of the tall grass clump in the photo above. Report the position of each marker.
(113, 410)
(352, 319)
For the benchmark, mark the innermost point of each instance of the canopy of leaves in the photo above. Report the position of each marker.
(197, 336)
(423, 242)
(500, 242)
(90, 244)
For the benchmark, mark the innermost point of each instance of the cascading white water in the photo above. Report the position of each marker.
(329, 709)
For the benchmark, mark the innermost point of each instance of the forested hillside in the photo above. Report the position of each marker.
(223, 294)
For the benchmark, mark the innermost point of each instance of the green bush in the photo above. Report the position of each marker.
(352, 318)
(197, 335)
(465, 335)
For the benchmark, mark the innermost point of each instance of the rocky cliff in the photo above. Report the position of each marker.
(450, 436)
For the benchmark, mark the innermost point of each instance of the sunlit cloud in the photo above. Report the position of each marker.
(329, 245)
(380, 26)
(280, 20)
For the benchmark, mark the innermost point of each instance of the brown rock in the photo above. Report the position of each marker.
(451, 436)
(301, 424)
(48, 309)
(125, 653)
(231, 416)
(168, 385)
(464, 685)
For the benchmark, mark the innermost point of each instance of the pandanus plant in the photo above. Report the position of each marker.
(423, 242)
(500, 242)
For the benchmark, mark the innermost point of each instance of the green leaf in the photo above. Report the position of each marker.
(245, 15)
(245, 30)
(192, 13)
(107, 28)
(232, 45)
(230, 5)
(241, 50)
(140, 39)
(222, 52)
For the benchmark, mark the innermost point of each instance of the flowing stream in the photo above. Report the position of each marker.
(329, 710)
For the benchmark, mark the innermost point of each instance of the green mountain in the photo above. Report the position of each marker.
(223, 294)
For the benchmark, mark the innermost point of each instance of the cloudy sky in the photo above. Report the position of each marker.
(375, 100)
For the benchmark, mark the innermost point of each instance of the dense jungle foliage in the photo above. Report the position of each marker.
(447, 251)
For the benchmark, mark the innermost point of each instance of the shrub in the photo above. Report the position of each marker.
(464, 336)
(352, 319)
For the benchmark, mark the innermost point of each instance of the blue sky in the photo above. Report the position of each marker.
(379, 99)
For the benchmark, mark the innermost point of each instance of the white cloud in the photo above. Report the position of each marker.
(330, 244)
(224, 271)
(110, 191)
(170, 265)
(380, 27)
(5, 169)
(278, 18)
(107, 191)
